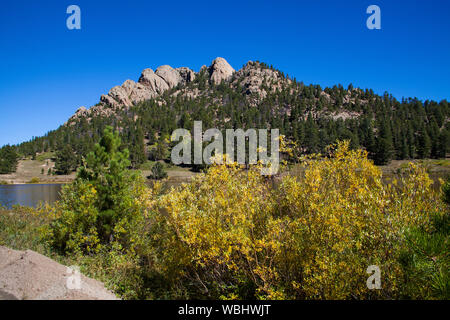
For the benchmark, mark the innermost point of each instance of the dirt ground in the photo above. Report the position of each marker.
(28, 275)
(29, 169)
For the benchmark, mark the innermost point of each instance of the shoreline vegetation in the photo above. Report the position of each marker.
(229, 234)
(28, 170)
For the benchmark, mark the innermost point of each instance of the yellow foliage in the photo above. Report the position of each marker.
(234, 234)
(312, 237)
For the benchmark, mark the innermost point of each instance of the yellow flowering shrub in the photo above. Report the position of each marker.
(210, 231)
(340, 218)
(229, 234)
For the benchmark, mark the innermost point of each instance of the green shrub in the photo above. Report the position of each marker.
(158, 171)
(34, 180)
(446, 191)
(426, 260)
(99, 207)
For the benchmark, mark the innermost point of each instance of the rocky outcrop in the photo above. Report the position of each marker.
(187, 75)
(127, 94)
(28, 275)
(155, 83)
(81, 111)
(169, 75)
(137, 92)
(258, 80)
(152, 84)
(220, 70)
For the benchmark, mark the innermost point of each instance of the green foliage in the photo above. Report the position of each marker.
(20, 229)
(426, 260)
(34, 180)
(160, 150)
(446, 191)
(158, 171)
(8, 159)
(94, 209)
(65, 160)
(106, 169)
(384, 147)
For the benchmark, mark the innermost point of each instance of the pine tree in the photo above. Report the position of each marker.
(158, 171)
(384, 145)
(106, 168)
(423, 145)
(311, 141)
(443, 144)
(65, 160)
(8, 159)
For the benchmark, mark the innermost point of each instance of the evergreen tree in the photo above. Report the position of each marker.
(106, 169)
(158, 171)
(8, 159)
(66, 160)
(384, 146)
(311, 141)
(423, 145)
(443, 144)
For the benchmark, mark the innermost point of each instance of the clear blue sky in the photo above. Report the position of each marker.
(48, 71)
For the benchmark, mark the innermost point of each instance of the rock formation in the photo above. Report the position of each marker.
(151, 84)
(220, 70)
(169, 75)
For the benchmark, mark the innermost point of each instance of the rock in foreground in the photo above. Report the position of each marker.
(28, 275)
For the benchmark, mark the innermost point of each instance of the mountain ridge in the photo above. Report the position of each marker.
(152, 84)
(256, 96)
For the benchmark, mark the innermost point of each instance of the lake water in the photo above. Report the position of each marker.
(28, 194)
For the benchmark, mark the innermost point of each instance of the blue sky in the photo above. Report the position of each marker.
(48, 71)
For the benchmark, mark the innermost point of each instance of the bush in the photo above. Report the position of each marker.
(34, 180)
(158, 171)
(100, 205)
(426, 261)
(208, 236)
(229, 235)
(339, 219)
(446, 191)
(20, 228)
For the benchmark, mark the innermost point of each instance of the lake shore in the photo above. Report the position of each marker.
(30, 172)
(35, 171)
(29, 169)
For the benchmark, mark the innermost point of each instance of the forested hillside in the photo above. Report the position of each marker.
(256, 96)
